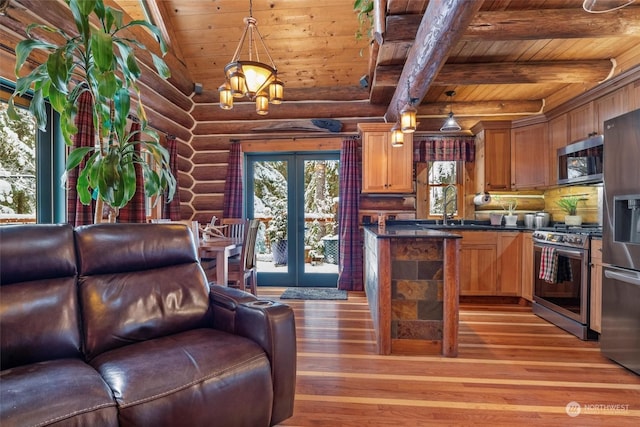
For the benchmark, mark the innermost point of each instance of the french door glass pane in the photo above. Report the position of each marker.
(320, 216)
(17, 166)
(270, 206)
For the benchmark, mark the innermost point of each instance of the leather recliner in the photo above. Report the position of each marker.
(115, 324)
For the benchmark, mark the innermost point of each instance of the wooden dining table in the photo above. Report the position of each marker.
(222, 248)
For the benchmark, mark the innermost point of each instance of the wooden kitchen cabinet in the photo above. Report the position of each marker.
(529, 157)
(493, 157)
(385, 169)
(634, 96)
(478, 267)
(491, 263)
(610, 106)
(581, 122)
(595, 306)
(509, 262)
(558, 138)
(527, 267)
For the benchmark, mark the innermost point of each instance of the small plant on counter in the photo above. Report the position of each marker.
(509, 205)
(569, 204)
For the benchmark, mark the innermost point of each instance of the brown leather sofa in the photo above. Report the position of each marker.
(114, 324)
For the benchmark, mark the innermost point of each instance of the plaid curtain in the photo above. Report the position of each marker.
(445, 148)
(351, 259)
(77, 213)
(135, 210)
(233, 184)
(171, 210)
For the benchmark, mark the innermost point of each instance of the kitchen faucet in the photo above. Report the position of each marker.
(447, 202)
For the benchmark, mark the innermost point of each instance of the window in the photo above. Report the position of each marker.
(17, 166)
(31, 165)
(444, 179)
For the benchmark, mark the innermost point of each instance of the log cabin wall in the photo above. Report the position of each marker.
(204, 132)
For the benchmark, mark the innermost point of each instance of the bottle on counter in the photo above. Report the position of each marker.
(382, 222)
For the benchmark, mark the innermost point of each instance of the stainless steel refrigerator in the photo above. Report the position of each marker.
(620, 337)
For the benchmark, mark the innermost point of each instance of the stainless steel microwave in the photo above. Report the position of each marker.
(581, 162)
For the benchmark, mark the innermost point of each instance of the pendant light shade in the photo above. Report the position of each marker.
(397, 137)
(276, 91)
(262, 104)
(249, 77)
(226, 97)
(450, 125)
(408, 119)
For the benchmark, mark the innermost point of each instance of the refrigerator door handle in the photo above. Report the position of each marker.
(623, 277)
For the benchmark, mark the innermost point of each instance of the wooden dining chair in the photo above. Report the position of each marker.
(235, 227)
(244, 268)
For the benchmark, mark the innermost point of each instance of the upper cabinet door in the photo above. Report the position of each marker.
(374, 162)
(529, 155)
(610, 106)
(400, 167)
(385, 169)
(493, 160)
(581, 122)
(497, 166)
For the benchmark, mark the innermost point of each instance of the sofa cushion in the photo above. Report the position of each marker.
(222, 379)
(64, 391)
(138, 282)
(38, 300)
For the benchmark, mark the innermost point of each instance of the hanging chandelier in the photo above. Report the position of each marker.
(450, 125)
(250, 78)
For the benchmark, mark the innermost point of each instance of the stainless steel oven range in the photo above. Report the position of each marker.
(561, 279)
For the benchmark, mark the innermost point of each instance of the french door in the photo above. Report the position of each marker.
(295, 196)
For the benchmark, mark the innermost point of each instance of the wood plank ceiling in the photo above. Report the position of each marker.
(505, 59)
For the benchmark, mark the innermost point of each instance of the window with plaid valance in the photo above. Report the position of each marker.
(455, 148)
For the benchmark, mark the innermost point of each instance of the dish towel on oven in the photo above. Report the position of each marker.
(548, 265)
(564, 270)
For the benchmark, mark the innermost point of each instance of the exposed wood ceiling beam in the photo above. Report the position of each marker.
(481, 108)
(529, 25)
(508, 73)
(442, 26)
(289, 110)
(354, 93)
(363, 109)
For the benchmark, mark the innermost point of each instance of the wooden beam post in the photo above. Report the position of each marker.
(441, 28)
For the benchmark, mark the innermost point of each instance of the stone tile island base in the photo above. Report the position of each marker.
(412, 291)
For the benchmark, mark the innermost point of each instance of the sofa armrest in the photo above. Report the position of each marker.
(271, 325)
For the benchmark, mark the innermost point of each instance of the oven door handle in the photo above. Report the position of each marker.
(565, 252)
(623, 277)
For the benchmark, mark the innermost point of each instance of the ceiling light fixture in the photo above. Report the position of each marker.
(397, 137)
(251, 78)
(408, 114)
(604, 5)
(450, 125)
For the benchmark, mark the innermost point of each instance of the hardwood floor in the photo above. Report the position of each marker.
(513, 369)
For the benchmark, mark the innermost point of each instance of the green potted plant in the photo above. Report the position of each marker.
(99, 59)
(364, 10)
(569, 204)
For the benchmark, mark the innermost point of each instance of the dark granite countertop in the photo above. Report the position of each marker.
(410, 231)
(429, 228)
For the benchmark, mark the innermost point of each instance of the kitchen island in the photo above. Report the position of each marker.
(412, 287)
